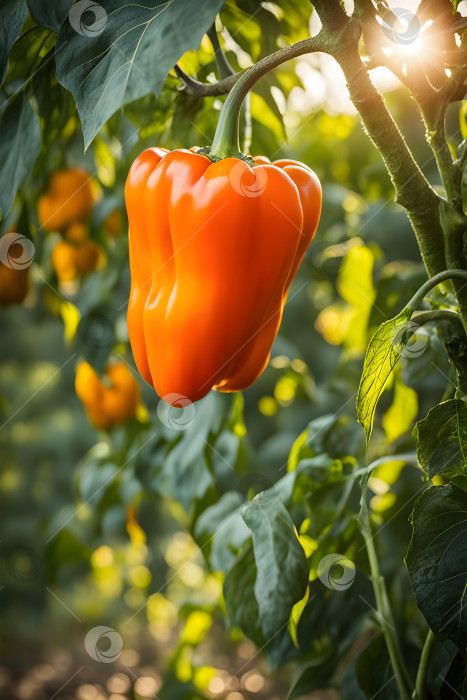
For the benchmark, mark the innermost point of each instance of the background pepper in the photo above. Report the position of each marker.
(112, 405)
(14, 285)
(69, 198)
(213, 250)
(76, 255)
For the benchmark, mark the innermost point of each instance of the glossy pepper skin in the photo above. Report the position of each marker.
(112, 405)
(213, 250)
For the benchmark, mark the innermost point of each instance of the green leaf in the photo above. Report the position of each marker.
(464, 182)
(436, 561)
(442, 439)
(339, 438)
(50, 13)
(19, 147)
(12, 17)
(454, 680)
(66, 555)
(374, 672)
(384, 350)
(402, 412)
(239, 593)
(330, 623)
(282, 568)
(127, 53)
(221, 531)
(96, 477)
(312, 676)
(295, 616)
(186, 473)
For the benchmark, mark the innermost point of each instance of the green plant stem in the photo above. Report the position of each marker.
(437, 316)
(427, 651)
(409, 457)
(198, 89)
(417, 298)
(248, 126)
(223, 66)
(382, 602)
(226, 139)
(413, 191)
(440, 148)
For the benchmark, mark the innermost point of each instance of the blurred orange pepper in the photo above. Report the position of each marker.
(113, 223)
(75, 256)
(214, 247)
(14, 285)
(108, 406)
(69, 198)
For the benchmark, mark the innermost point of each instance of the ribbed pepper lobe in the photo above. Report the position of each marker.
(213, 250)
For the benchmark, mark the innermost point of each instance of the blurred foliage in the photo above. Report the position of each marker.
(153, 530)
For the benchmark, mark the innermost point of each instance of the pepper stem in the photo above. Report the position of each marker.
(226, 139)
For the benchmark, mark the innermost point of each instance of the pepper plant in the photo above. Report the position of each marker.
(304, 557)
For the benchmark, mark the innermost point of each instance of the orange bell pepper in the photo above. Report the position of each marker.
(108, 406)
(114, 223)
(69, 198)
(214, 247)
(14, 285)
(75, 256)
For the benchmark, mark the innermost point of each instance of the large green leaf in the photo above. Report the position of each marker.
(442, 439)
(269, 576)
(312, 676)
(454, 681)
(436, 561)
(282, 569)
(186, 472)
(19, 147)
(110, 60)
(220, 531)
(339, 437)
(384, 350)
(51, 13)
(374, 672)
(240, 600)
(12, 17)
(330, 623)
